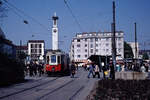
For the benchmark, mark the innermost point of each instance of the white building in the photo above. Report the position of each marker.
(95, 43)
(132, 44)
(36, 49)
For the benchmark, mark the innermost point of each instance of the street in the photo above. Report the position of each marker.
(51, 88)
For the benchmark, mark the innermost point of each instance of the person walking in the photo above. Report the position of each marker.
(31, 69)
(97, 71)
(73, 69)
(104, 68)
(40, 69)
(35, 68)
(91, 69)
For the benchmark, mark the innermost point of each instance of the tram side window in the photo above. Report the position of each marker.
(53, 59)
(47, 60)
(59, 60)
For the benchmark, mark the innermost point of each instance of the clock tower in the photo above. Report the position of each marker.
(55, 33)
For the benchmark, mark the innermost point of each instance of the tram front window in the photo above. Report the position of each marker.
(53, 59)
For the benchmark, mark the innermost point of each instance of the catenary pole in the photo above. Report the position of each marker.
(113, 43)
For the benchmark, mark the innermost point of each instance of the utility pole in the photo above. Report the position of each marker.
(113, 44)
(135, 42)
(135, 67)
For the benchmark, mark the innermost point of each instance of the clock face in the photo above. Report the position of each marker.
(55, 30)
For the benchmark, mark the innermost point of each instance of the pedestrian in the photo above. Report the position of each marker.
(91, 69)
(104, 68)
(97, 71)
(40, 69)
(31, 69)
(73, 69)
(35, 68)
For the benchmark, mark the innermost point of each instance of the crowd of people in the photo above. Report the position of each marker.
(37, 69)
(34, 69)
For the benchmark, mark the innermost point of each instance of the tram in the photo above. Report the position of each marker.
(57, 63)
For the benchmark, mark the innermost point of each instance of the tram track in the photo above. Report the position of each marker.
(56, 89)
(30, 88)
(79, 90)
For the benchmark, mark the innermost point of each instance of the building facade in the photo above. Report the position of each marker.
(132, 44)
(84, 45)
(36, 50)
(22, 53)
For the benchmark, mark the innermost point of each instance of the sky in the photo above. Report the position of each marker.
(88, 16)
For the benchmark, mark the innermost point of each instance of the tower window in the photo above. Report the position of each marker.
(54, 22)
(78, 40)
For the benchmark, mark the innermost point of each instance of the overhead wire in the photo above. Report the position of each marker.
(20, 14)
(73, 15)
(19, 10)
(21, 17)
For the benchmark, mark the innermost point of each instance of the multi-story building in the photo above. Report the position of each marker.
(23, 49)
(132, 44)
(95, 43)
(36, 49)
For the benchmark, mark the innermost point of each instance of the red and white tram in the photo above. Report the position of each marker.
(57, 62)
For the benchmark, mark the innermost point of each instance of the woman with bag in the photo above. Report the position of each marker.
(97, 71)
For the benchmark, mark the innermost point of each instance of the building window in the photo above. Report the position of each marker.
(107, 50)
(91, 50)
(31, 45)
(107, 39)
(78, 56)
(85, 45)
(96, 50)
(96, 39)
(39, 50)
(78, 50)
(35, 50)
(85, 50)
(107, 44)
(78, 45)
(36, 45)
(91, 40)
(85, 40)
(78, 40)
(96, 45)
(91, 46)
(40, 46)
(32, 50)
(85, 55)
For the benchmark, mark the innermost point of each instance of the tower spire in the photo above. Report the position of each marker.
(55, 33)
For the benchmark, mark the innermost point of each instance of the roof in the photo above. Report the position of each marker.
(22, 47)
(35, 41)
